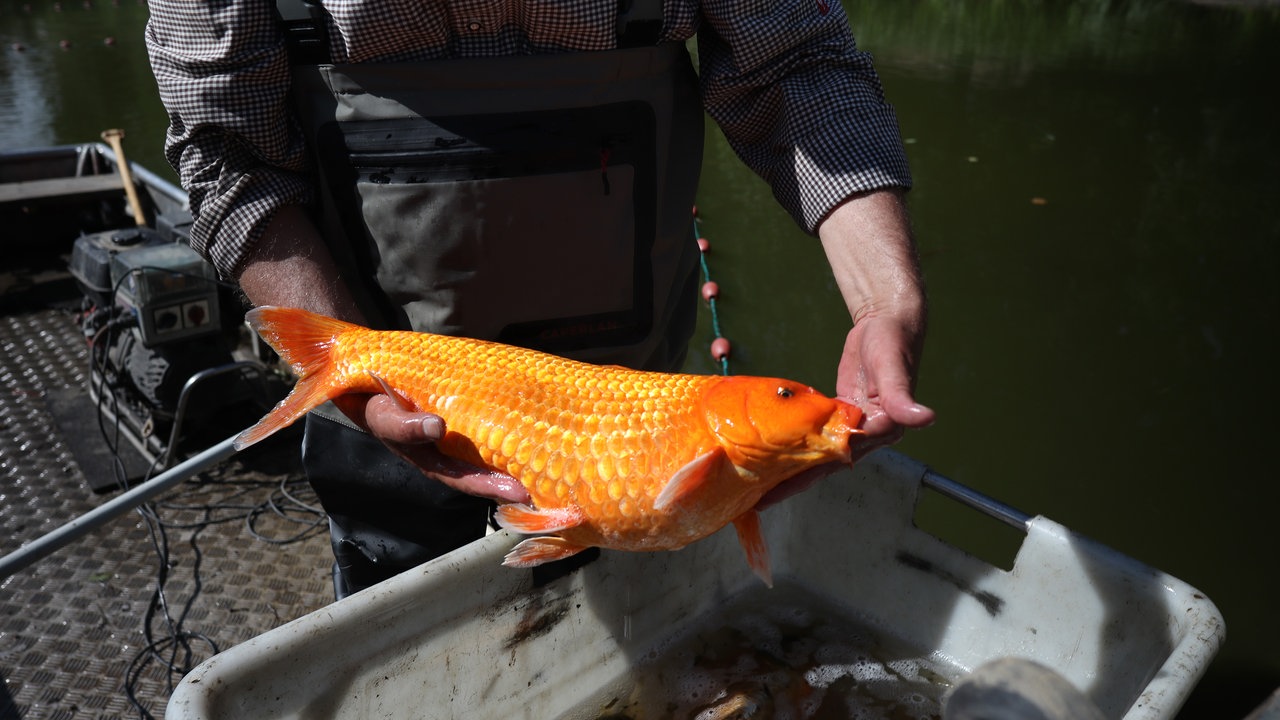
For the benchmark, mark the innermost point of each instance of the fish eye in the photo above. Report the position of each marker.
(784, 392)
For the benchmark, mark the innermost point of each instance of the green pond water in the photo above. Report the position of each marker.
(1097, 206)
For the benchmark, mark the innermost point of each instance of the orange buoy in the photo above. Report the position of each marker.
(704, 244)
(710, 290)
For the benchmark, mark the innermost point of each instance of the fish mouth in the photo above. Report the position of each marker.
(843, 429)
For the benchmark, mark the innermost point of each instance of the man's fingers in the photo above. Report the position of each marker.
(463, 476)
(887, 366)
(387, 419)
(412, 436)
(908, 413)
(892, 394)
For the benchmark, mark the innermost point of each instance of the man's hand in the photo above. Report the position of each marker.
(877, 373)
(868, 243)
(412, 436)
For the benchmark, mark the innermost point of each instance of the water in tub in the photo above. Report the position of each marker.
(781, 654)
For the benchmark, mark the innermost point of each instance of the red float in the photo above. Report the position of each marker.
(710, 290)
(720, 348)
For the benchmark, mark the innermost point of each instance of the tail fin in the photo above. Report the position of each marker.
(303, 340)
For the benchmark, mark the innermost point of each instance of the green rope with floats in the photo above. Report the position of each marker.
(710, 292)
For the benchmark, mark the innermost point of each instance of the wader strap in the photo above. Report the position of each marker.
(306, 31)
(639, 23)
(305, 24)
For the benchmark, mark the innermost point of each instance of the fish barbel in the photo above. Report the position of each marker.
(611, 457)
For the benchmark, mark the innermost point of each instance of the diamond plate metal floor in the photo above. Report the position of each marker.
(82, 630)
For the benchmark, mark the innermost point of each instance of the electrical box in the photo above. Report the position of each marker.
(170, 288)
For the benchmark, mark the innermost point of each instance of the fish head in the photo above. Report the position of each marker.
(775, 428)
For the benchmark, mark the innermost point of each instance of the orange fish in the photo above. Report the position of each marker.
(611, 457)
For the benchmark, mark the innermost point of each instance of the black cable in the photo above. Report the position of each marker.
(174, 648)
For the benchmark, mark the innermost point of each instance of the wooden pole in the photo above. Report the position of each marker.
(113, 137)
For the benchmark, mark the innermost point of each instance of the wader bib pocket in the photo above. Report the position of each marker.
(499, 226)
(539, 200)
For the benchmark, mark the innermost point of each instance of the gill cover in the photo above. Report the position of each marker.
(759, 418)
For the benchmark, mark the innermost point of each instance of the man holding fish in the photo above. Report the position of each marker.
(523, 172)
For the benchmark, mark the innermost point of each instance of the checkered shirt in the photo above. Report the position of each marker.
(798, 102)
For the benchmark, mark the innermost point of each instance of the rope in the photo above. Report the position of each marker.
(720, 347)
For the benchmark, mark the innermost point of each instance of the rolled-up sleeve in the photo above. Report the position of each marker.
(799, 103)
(224, 81)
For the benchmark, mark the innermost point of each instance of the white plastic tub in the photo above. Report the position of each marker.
(462, 637)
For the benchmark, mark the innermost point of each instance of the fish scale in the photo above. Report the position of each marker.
(610, 457)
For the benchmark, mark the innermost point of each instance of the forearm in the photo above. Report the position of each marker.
(872, 253)
(291, 266)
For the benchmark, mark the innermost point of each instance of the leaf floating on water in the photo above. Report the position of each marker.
(1039, 201)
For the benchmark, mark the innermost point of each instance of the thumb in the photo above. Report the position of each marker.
(386, 419)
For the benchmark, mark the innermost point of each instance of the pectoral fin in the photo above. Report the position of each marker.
(527, 520)
(689, 478)
(748, 526)
(539, 550)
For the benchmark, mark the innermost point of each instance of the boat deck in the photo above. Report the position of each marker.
(83, 630)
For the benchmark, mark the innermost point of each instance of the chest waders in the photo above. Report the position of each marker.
(542, 201)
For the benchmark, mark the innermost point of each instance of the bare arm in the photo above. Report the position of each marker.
(291, 267)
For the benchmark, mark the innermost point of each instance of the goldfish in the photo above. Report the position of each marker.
(611, 457)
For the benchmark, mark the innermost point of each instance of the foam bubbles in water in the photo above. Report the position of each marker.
(783, 655)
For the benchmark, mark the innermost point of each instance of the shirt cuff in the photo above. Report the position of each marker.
(824, 175)
(232, 212)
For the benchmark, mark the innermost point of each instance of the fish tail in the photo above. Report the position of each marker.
(304, 340)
